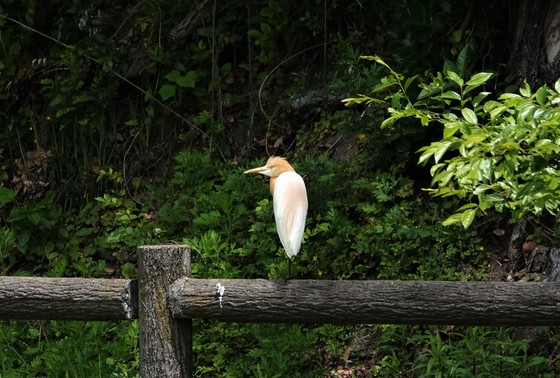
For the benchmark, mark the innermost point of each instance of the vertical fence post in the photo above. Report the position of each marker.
(165, 343)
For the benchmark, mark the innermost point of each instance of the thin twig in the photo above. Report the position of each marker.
(269, 119)
(274, 69)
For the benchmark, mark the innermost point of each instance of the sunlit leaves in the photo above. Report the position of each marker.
(557, 86)
(477, 80)
(465, 218)
(469, 115)
(508, 155)
(497, 154)
(456, 78)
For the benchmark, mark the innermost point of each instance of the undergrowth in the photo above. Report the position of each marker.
(362, 225)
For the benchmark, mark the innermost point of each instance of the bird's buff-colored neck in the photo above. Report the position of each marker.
(273, 168)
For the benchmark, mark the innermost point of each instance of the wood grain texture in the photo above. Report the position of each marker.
(165, 343)
(354, 302)
(39, 298)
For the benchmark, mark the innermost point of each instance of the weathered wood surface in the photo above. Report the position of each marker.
(67, 298)
(165, 343)
(386, 302)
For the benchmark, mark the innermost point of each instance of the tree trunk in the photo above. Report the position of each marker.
(535, 54)
(67, 298)
(387, 302)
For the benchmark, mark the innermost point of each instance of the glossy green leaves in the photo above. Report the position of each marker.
(495, 152)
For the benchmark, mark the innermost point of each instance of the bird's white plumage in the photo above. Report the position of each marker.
(290, 210)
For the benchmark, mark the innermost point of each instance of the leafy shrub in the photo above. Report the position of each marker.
(271, 350)
(40, 237)
(374, 222)
(457, 351)
(502, 154)
(71, 349)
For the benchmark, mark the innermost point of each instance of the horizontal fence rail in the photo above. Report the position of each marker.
(353, 302)
(164, 299)
(36, 298)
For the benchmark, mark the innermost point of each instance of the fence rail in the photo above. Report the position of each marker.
(37, 298)
(165, 299)
(365, 302)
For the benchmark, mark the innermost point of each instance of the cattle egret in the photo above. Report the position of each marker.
(289, 197)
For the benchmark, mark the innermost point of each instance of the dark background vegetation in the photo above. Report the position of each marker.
(129, 123)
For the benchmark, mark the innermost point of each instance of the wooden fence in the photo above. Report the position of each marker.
(164, 300)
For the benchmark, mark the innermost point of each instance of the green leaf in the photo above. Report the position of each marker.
(487, 169)
(128, 270)
(462, 59)
(451, 128)
(435, 168)
(449, 95)
(265, 28)
(497, 111)
(267, 12)
(409, 81)
(424, 120)
(167, 91)
(475, 138)
(465, 129)
(546, 147)
(443, 178)
(557, 86)
(468, 217)
(388, 122)
(23, 239)
(7, 195)
(396, 100)
(377, 59)
(456, 78)
(479, 78)
(469, 115)
(453, 219)
(173, 76)
(188, 80)
(441, 150)
(526, 90)
(136, 182)
(428, 152)
(541, 95)
(494, 197)
(253, 33)
(507, 96)
(386, 82)
(467, 206)
(150, 110)
(479, 97)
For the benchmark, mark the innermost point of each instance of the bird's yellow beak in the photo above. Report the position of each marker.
(264, 170)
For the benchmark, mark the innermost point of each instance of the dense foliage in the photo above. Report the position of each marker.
(131, 123)
(504, 151)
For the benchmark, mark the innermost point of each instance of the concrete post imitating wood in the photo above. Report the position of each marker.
(41, 298)
(165, 343)
(385, 302)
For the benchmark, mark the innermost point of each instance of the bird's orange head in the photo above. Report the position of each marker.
(275, 166)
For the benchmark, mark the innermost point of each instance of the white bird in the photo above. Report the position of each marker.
(289, 197)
